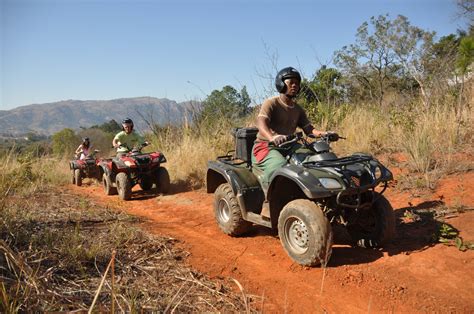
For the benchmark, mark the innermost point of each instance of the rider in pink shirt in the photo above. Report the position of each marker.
(83, 149)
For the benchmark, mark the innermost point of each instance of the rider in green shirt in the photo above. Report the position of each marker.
(127, 137)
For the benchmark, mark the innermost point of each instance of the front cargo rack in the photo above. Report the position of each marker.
(339, 162)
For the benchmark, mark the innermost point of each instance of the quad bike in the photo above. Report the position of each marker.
(121, 174)
(303, 198)
(84, 168)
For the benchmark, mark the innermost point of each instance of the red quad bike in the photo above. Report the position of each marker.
(85, 168)
(121, 174)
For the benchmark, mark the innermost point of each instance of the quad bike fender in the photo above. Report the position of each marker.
(158, 157)
(104, 169)
(75, 164)
(120, 164)
(243, 182)
(238, 178)
(306, 180)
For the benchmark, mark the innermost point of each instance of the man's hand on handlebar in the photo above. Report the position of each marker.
(278, 139)
(332, 136)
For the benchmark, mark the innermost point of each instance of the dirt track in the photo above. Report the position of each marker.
(410, 275)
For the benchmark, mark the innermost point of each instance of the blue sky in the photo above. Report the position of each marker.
(54, 50)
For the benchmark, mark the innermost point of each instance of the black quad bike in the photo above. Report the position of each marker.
(121, 174)
(303, 198)
(84, 168)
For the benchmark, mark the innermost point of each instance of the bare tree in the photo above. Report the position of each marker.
(466, 8)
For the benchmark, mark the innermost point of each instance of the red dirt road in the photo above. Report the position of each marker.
(410, 275)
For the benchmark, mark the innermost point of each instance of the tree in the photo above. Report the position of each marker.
(464, 67)
(466, 8)
(370, 61)
(389, 52)
(412, 47)
(225, 104)
(99, 139)
(325, 87)
(465, 55)
(109, 127)
(65, 142)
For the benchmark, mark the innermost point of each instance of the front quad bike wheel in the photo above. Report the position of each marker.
(146, 183)
(73, 177)
(227, 212)
(123, 186)
(305, 233)
(374, 226)
(162, 180)
(107, 184)
(78, 177)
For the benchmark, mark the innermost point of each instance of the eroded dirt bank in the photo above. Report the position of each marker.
(410, 275)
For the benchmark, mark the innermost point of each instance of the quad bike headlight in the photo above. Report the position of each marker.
(129, 163)
(156, 159)
(330, 183)
(377, 173)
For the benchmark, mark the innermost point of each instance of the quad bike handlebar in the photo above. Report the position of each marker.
(293, 138)
(136, 148)
(90, 155)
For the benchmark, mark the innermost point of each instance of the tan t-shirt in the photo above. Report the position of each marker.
(282, 119)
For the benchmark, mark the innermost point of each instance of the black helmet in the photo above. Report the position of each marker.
(127, 121)
(86, 142)
(284, 74)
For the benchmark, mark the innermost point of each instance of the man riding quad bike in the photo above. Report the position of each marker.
(299, 189)
(122, 173)
(313, 190)
(84, 167)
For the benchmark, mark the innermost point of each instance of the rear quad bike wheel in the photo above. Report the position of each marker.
(374, 226)
(124, 187)
(305, 233)
(162, 178)
(146, 183)
(109, 189)
(73, 177)
(78, 177)
(227, 212)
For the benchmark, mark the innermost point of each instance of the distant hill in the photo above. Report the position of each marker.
(46, 119)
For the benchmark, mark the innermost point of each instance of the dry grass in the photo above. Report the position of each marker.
(367, 130)
(188, 149)
(430, 139)
(62, 255)
(56, 247)
(54, 259)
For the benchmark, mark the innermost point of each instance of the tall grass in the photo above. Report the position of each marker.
(436, 138)
(367, 129)
(189, 148)
(22, 174)
(428, 138)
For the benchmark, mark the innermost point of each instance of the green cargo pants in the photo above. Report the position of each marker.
(275, 159)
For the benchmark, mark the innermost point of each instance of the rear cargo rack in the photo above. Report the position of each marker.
(230, 159)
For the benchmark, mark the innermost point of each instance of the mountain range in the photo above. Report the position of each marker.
(49, 118)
